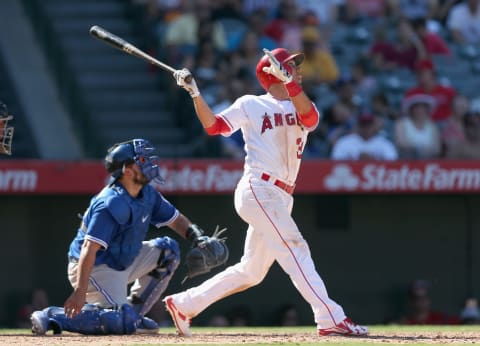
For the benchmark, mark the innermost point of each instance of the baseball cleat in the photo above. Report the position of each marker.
(346, 327)
(40, 322)
(147, 326)
(182, 322)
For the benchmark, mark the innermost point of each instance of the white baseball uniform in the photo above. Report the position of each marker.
(274, 141)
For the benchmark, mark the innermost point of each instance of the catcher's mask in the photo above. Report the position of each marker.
(283, 56)
(6, 132)
(134, 151)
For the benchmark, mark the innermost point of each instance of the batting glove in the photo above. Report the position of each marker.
(191, 86)
(284, 73)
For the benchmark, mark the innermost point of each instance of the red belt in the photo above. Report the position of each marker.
(284, 186)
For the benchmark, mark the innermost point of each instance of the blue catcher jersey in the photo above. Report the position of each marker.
(119, 223)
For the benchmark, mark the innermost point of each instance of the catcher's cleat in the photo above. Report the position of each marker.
(40, 322)
(182, 322)
(346, 327)
(147, 326)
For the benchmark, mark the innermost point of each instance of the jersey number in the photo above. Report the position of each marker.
(299, 148)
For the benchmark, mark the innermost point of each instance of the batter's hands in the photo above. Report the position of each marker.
(282, 72)
(191, 86)
(74, 304)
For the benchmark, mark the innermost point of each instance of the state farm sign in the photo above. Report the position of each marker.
(408, 177)
(18, 180)
(221, 177)
(209, 178)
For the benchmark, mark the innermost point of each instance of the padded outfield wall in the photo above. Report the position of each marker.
(367, 246)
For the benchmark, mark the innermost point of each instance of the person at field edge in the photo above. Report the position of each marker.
(109, 251)
(275, 127)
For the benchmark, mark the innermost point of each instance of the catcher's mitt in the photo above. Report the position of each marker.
(207, 253)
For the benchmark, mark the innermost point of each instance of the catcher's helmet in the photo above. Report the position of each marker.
(283, 56)
(134, 151)
(6, 132)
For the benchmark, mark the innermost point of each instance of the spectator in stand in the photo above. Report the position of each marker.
(453, 131)
(326, 11)
(319, 65)
(155, 15)
(256, 24)
(387, 115)
(268, 6)
(358, 10)
(365, 84)
(427, 84)
(346, 93)
(227, 9)
(247, 54)
(412, 10)
(444, 9)
(419, 307)
(470, 148)
(206, 67)
(337, 122)
(365, 143)
(339, 118)
(403, 52)
(464, 22)
(433, 43)
(182, 33)
(286, 29)
(165, 10)
(416, 135)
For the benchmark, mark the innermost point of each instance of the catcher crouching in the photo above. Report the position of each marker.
(109, 251)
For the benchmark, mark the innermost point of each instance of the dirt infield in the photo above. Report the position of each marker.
(214, 338)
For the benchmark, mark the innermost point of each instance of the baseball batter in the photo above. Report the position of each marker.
(6, 132)
(109, 251)
(275, 128)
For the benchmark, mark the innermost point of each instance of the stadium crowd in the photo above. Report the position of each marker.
(381, 71)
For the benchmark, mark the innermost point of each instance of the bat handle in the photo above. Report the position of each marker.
(188, 78)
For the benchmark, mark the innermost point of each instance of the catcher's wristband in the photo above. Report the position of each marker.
(293, 88)
(193, 233)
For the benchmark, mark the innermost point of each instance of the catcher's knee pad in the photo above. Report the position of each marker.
(143, 297)
(169, 258)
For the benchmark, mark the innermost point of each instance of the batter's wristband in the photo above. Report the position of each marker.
(193, 233)
(293, 89)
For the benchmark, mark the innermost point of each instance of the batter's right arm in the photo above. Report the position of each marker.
(204, 113)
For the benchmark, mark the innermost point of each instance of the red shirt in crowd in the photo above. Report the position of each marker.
(434, 44)
(443, 98)
(393, 54)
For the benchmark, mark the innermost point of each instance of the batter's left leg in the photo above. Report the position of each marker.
(290, 249)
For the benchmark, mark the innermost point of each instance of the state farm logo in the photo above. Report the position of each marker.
(407, 177)
(18, 180)
(341, 177)
(210, 178)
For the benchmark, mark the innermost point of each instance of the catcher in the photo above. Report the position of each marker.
(109, 251)
(6, 132)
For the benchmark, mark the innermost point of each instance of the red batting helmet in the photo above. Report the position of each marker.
(283, 56)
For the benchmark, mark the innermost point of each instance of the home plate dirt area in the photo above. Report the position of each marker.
(245, 338)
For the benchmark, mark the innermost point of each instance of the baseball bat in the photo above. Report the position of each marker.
(119, 43)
